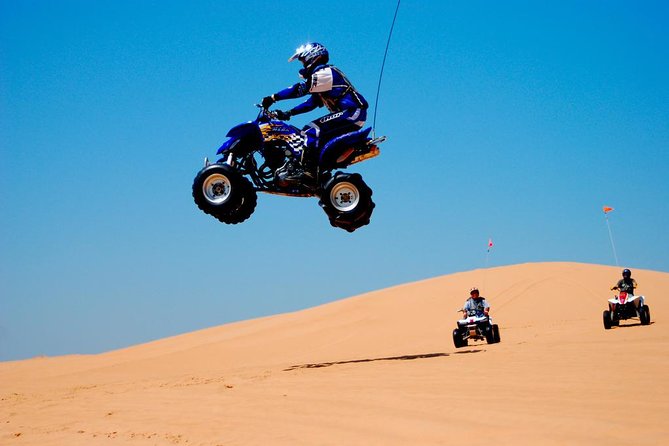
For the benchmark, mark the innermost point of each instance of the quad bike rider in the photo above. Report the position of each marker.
(271, 156)
(626, 304)
(327, 86)
(626, 284)
(476, 305)
(476, 322)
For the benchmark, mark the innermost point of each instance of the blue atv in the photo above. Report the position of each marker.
(258, 157)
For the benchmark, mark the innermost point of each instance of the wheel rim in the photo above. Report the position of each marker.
(344, 196)
(216, 188)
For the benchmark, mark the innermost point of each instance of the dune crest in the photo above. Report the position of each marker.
(379, 368)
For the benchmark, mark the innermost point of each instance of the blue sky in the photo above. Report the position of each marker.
(513, 120)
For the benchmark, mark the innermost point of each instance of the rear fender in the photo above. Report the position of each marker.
(334, 149)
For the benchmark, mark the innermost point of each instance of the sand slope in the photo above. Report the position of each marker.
(376, 369)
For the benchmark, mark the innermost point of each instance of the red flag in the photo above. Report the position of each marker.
(607, 209)
(490, 245)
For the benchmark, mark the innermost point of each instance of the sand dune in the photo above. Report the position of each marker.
(376, 369)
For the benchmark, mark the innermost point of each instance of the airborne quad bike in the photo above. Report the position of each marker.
(625, 306)
(475, 327)
(258, 157)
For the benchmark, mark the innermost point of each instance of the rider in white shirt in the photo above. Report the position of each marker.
(476, 305)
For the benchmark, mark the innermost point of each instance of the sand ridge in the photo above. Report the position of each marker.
(379, 368)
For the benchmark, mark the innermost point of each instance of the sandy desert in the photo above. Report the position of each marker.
(375, 369)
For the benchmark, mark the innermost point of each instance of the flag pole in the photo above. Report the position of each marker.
(608, 225)
(487, 257)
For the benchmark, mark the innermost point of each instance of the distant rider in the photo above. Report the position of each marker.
(626, 284)
(476, 305)
(327, 86)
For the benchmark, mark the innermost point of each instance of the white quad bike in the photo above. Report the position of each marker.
(626, 306)
(475, 327)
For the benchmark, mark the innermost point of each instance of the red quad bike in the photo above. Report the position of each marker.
(626, 306)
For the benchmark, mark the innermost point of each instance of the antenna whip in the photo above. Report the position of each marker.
(383, 64)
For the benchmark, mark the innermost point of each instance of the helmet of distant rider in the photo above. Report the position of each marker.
(473, 290)
(311, 55)
(627, 273)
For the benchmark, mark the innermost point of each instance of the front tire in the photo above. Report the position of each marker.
(607, 319)
(220, 190)
(495, 332)
(644, 315)
(245, 208)
(347, 201)
(458, 340)
(490, 335)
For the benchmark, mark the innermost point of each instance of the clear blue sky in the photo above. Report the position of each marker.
(514, 120)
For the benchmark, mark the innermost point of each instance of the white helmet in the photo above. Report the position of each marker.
(310, 54)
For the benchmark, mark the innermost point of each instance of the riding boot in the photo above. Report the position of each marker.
(297, 171)
(304, 168)
(294, 172)
(310, 161)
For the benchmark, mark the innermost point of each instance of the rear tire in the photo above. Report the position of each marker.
(347, 201)
(607, 319)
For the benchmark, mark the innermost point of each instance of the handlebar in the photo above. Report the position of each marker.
(265, 112)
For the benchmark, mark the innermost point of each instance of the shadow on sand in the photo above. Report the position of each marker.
(389, 358)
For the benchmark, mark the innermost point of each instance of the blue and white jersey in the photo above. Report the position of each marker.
(335, 90)
(328, 87)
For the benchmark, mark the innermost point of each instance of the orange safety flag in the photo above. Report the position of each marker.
(607, 209)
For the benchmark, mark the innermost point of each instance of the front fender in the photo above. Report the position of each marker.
(246, 136)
